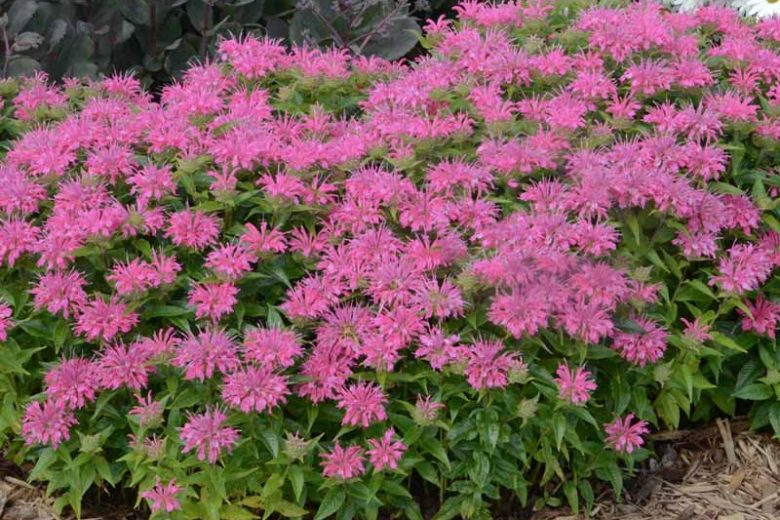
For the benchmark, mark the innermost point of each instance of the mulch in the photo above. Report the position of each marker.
(722, 472)
(718, 473)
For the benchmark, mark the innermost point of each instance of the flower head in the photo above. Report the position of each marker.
(385, 452)
(343, 464)
(47, 423)
(163, 497)
(646, 346)
(625, 437)
(5, 320)
(255, 389)
(363, 403)
(100, 319)
(193, 229)
(213, 300)
(203, 354)
(574, 385)
(207, 434)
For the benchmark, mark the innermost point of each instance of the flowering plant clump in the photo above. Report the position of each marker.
(302, 282)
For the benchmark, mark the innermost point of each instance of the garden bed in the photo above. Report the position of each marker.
(720, 472)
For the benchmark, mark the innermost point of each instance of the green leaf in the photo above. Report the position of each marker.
(401, 35)
(668, 409)
(272, 484)
(45, 460)
(427, 471)
(288, 509)
(570, 490)
(435, 448)
(19, 13)
(722, 339)
(559, 429)
(331, 503)
(702, 288)
(186, 399)
(295, 474)
(234, 512)
(754, 392)
(271, 441)
(164, 311)
(774, 418)
(137, 11)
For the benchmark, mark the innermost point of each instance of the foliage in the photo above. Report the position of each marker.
(309, 283)
(156, 39)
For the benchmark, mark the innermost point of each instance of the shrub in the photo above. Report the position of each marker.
(155, 39)
(308, 282)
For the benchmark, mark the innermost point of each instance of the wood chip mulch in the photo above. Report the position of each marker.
(718, 473)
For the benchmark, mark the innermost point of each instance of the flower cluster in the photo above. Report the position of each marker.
(550, 209)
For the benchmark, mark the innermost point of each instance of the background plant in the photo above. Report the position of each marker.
(156, 39)
(306, 281)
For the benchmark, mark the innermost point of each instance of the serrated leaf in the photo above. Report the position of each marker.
(755, 392)
(331, 504)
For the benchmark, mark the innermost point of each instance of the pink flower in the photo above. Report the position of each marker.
(648, 76)
(273, 347)
(439, 300)
(642, 347)
(229, 261)
(48, 423)
(343, 464)
(193, 229)
(104, 320)
(152, 447)
(426, 409)
(696, 330)
(213, 300)
(133, 276)
(439, 349)
(200, 356)
(152, 182)
(165, 267)
(588, 322)
(121, 365)
(60, 292)
(17, 238)
(162, 344)
(521, 312)
(488, 366)
(575, 385)
(148, 411)
(73, 382)
(763, 316)
(263, 240)
(625, 437)
(162, 497)
(207, 434)
(255, 389)
(363, 403)
(5, 320)
(385, 452)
